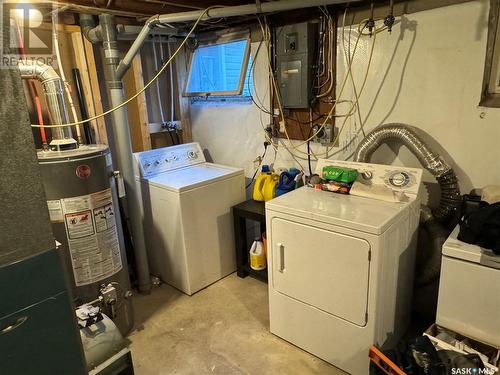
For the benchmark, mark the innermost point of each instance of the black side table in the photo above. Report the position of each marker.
(248, 210)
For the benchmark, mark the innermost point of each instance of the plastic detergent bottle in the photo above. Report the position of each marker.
(265, 185)
(269, 188)
(257, 256)
(259, 183)
(286, 181)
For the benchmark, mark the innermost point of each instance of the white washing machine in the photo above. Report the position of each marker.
(187, 215)
(341, 266)
(469, 291)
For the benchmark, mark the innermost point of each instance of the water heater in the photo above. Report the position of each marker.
(84, 212)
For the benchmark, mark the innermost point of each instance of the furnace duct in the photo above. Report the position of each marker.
(53, 88)
(450, 193)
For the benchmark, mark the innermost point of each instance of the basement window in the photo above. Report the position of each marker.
(220, 71)
(491, 83)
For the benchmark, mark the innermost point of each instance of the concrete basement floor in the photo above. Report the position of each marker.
(223, 329)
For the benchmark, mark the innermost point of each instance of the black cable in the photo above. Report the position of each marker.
(171, 137)
(266, 144)
(309, 150)
(83, 106)
(306, 122)
(309, 155)
(177, 136)
(253, 178)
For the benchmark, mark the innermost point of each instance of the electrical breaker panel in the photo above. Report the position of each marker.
(295, 47)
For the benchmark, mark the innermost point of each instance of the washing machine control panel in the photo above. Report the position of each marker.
(396, 178)
(160, 160)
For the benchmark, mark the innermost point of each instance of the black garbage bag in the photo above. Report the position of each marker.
(457, 363)
(482, 227)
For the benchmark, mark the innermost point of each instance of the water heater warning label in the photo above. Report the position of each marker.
(79, 225)
(92, 237)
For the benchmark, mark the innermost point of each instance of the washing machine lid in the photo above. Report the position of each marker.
(454, 248)
(180, 180)
(359, 213)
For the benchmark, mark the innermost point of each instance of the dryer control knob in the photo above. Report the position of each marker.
(399, 179)
(192, 155)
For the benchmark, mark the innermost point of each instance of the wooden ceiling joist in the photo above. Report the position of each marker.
(142, 8)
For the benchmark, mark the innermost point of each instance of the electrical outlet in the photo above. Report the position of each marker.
(327, 135)
(282, 127)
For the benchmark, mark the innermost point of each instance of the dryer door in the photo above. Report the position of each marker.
(321, 268)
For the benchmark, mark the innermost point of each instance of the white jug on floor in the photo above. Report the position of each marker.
(257, 256)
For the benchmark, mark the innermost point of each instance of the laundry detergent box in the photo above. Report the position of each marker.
(339, 174)
(336, 187)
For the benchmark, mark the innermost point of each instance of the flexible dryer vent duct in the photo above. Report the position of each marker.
(53, 88)
(405, 134)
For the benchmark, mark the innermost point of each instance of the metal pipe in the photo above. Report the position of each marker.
(123, 145)
(169, 3)
(96, 10)
(230, 11)
(450, 192)
(89, 30)
(55, 43)
(53, 88)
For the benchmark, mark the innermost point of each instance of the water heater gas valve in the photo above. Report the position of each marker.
(109, 294)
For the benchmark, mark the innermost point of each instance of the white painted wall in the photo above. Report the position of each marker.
(233, 133)
(427, 73)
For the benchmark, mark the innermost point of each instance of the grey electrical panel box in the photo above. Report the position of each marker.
(295, 50)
